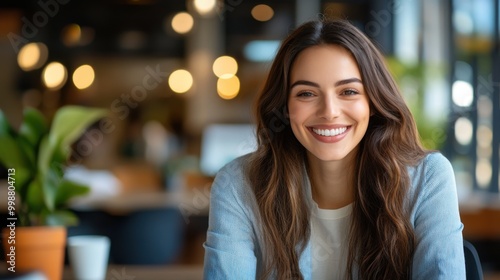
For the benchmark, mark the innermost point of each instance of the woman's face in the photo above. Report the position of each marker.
(327, 104)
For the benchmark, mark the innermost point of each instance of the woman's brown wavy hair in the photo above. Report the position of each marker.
(381, 238)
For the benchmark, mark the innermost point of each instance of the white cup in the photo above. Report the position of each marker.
(88, 256)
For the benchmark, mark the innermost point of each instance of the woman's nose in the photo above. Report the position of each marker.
(330, 108)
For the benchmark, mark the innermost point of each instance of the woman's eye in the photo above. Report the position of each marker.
(349, 92)
(305, 94)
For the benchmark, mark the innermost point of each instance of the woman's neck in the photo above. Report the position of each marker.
(332, 183)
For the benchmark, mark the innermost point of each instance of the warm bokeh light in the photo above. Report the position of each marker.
(204, 6)
(182, 23)
(228, 88)
(484, 107)
(262, 12)
(54, 75)
(225, 67)
(462, 93)
(484, 136)
(71, 35)
(83, 77)
(483, 173)
(32, 56)
(463, 131)
(180, 81)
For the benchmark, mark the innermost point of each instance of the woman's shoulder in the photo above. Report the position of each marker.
(233, 176)
(436, 160)
(235, 168)
(433, 163)
(432, 174)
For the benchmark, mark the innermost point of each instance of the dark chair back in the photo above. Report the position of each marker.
(473, 269)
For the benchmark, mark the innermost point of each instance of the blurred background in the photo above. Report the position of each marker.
(179, 79)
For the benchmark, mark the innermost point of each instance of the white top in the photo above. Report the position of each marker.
(329, 230)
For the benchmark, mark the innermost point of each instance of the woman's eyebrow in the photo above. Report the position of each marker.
(348, 81)
(305, 83)
(338, 83)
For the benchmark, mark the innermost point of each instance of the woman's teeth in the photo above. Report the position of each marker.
(330, 132)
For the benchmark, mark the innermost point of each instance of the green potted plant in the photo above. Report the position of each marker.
(35, 157)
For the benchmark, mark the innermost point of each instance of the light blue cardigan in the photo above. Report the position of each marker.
(233, 249)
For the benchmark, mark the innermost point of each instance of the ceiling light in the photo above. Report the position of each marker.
(204, 7)
(228, 88)
(32, 56)
(182, 23)
(262, 12)
(225, 67)
(83, 77)
(54, 75)
(180, 81)
(71, 35)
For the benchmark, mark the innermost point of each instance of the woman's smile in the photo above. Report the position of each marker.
(330, 135)
(328, 107)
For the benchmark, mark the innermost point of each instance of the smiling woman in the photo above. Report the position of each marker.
(327, 103)
(343, 189)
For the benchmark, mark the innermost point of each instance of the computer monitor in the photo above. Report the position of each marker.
(222, 143)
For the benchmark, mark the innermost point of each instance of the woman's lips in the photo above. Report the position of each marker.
(329, 135)
(330, 132)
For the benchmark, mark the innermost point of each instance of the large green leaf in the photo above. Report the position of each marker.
(68, 125)
(69, 189)
(33, 127)
(52, 158)
(5, 127)
(50, 185)
(29, 152)
(11, 154)
(34, 196)
(61, 218)
(44, 156)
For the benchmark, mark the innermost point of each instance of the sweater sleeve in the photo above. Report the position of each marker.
(439, 245)
(230, 245)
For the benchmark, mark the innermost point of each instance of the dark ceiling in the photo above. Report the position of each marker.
(108, 19)
(111, 19)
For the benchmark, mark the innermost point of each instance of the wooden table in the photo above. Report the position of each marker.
(480, 214)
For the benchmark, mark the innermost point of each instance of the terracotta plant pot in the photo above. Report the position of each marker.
(36, 248)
